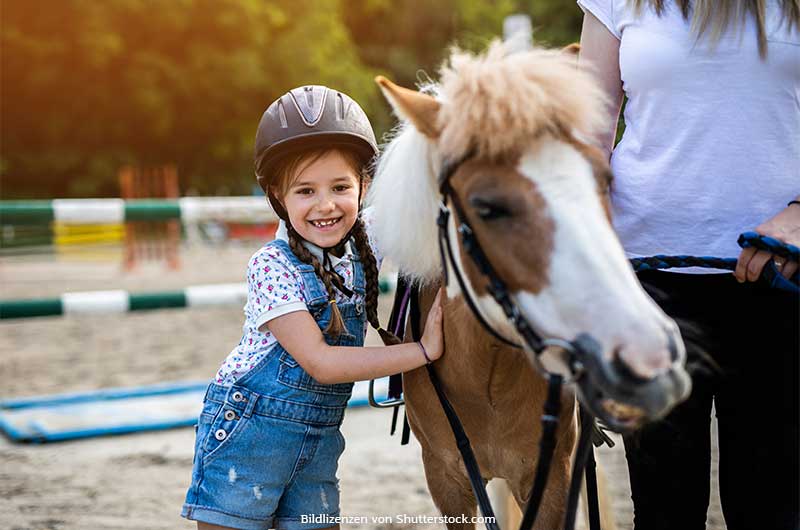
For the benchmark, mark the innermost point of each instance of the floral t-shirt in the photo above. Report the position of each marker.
(275, 288)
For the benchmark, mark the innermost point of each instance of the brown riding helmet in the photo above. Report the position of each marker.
(307, 117)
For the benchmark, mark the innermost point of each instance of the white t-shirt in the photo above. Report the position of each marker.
(712, 140)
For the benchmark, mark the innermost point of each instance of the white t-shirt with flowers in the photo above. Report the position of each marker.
(275, 288)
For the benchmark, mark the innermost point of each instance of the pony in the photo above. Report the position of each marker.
(535, 192)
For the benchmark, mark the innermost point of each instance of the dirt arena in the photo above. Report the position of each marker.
(139, 481)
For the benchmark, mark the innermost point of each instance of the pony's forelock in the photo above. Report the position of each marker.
(497, 103)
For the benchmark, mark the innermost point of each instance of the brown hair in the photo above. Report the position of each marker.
(287, 170)
(717, 15)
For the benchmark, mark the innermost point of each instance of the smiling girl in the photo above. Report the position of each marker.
(268, 439)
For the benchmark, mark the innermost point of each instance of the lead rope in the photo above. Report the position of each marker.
(770, 274)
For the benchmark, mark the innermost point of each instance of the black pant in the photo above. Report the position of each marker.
(753, 334)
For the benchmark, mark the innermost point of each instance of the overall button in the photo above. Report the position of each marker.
(359, 308)
(220, 434)
(230, 415)
(238, 397)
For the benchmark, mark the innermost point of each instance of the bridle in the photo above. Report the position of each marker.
(550, 417)
(496, 286)
(595, 381)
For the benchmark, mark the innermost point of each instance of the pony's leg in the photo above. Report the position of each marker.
(554, 501)
(450, 490)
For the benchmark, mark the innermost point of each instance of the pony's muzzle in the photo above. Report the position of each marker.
(621, 399)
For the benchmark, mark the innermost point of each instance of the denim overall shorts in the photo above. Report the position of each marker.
(267, 447)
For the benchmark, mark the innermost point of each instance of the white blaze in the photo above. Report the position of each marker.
(592, 287)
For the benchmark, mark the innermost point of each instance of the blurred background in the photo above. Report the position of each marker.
(160, 99)
(90, 86)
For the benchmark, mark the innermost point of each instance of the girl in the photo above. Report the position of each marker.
(711, 149)
(268, 439)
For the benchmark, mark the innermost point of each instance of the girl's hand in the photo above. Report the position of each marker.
(433, 336)
(784, 227)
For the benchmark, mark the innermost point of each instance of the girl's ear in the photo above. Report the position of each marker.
(273, 190)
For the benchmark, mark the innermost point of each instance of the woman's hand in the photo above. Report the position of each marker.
(784, 227)
(433, 336)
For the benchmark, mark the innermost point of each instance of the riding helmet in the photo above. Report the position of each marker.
(308, 117)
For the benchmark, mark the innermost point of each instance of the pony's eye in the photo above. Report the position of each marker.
(489, 210)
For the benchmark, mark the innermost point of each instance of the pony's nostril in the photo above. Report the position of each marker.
(625, 372)
(672, 345)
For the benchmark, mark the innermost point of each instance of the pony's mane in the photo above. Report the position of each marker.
(405, 200)
(496, 104)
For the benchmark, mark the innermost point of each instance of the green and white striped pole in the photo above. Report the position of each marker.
(109, 211)
(106, 302)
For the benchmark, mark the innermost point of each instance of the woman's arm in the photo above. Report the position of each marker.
(300, 336)
(600, 55)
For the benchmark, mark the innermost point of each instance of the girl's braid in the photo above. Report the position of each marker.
(336, 325)
(371, 277)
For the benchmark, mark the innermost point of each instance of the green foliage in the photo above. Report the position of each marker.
(88, 86)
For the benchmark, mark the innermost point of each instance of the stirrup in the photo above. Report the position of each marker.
(389, 403)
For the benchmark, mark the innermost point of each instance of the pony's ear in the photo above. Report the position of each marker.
(418, 108)
(572, 49)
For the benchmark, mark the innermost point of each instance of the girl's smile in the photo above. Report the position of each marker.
(322, 201)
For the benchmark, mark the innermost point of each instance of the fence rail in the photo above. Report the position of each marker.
(100, 211)
(118, 301)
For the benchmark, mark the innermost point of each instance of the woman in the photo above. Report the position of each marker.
(711, 149)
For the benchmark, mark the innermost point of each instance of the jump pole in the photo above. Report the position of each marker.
(109, 211)
(117, 301)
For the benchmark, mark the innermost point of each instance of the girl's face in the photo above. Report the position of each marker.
(322, 200)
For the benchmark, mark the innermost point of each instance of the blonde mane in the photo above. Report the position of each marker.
(498, 105)
(405, 199)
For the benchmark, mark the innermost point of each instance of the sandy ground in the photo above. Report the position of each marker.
(139, 481)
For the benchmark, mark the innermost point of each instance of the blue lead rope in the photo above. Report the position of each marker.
(770, 274)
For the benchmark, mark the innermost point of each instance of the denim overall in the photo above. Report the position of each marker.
(267, 447)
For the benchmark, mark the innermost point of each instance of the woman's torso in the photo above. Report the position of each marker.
(712, 140)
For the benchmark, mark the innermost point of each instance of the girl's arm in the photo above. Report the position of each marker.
(600, 55)
(301, 337)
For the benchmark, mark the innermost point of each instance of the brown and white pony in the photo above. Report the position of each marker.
(536, 195)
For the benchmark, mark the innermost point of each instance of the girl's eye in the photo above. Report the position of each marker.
(305, 191)
(341, 187)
